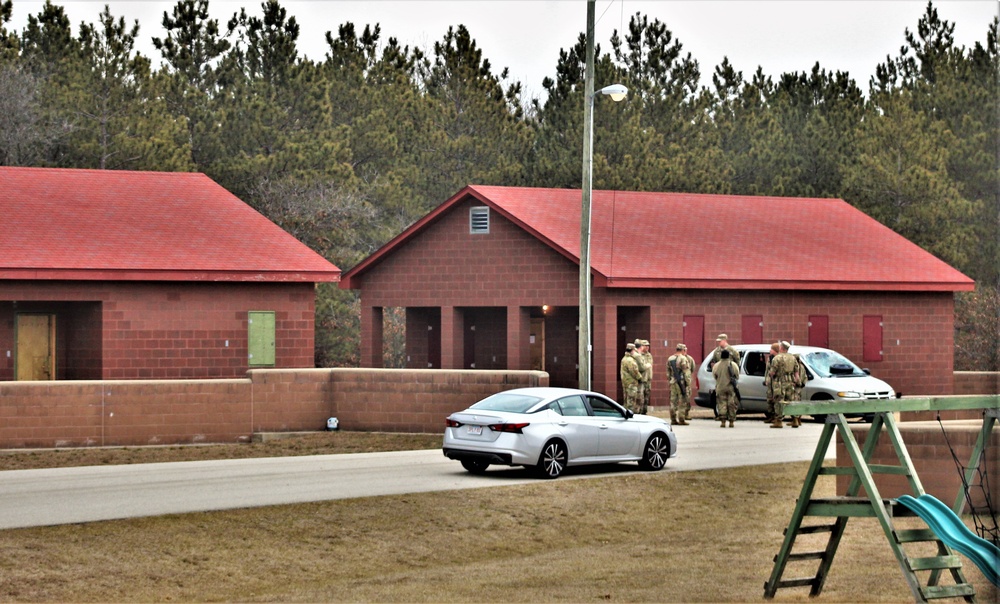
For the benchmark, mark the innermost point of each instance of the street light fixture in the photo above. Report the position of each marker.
(617, 92)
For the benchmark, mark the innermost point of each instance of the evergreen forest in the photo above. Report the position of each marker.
(346, 152)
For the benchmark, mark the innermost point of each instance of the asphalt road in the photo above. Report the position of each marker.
(94, 493)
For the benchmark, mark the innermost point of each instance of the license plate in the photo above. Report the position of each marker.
(476, 430)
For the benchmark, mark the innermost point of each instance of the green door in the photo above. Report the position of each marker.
(260, 338)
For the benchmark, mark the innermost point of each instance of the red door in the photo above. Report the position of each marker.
(694, 336)
(753, 329)
(819, 331)
(872, 338)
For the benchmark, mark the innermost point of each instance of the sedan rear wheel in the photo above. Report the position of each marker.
(475, 466)
(552, 461)
(656, 453)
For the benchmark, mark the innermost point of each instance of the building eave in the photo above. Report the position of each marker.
(208, 276)
(636, 283)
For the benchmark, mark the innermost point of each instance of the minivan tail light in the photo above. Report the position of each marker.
(511, 428)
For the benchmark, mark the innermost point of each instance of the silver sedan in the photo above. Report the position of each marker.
(548, 429)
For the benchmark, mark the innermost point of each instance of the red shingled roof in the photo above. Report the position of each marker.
(116, 225)
(680, 240)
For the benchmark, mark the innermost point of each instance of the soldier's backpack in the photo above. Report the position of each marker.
(800, 375)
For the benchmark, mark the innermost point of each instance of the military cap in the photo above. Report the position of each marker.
(630, 346)
(681, 347)
(721, 337)
(684, 346)
(645, 342)
(638, 342)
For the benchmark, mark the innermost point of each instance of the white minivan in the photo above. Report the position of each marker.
(832, 377)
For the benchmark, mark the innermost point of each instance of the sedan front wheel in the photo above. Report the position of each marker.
(552, 461)
(656, 453)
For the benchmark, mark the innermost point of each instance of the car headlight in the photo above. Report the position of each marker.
(849, 395)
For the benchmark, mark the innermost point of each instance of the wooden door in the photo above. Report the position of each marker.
(36, 347)
(536, 345)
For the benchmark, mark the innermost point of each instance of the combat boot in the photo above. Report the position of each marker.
(796, 422)
(777, 423)
(731, 424)
(723, 424)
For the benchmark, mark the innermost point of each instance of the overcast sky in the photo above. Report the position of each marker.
(526, 35)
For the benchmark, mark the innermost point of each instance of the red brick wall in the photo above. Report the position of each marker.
(931, 457)
(448, 265)
(977, 382)
(149, 412)
(921, 364)
(289, 400)
(98, 413)
(160, 330)
(405, 400)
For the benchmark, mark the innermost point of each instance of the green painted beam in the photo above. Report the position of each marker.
(923, 403)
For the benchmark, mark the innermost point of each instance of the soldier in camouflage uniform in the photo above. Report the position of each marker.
(767, 382)
(690, 392)
(799, 378)
(679, 372)
(723, 344)
(726, 373)
(781, 373)
(645, 361)
(630, 375)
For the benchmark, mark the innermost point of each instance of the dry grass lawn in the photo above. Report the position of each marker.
(632, 537)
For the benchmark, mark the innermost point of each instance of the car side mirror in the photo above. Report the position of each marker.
(867, 371)
(629, 414)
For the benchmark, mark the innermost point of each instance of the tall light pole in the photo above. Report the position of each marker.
(617, 92)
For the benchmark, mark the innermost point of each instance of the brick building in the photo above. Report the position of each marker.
(489, 280)
(129, 275)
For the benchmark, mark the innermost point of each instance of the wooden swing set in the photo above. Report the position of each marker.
(861, 472)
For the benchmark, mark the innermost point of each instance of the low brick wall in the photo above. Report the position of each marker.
(977, 382)
(148, 412)
(931, 457)
(416, 400)
(128, 412)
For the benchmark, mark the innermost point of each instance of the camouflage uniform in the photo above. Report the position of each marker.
(690, 390)
(630, 375)
(799, 378)
(726, 372)
(680, 401)
(734, 355)
(781, 373)
(768, 389)
(645, 362)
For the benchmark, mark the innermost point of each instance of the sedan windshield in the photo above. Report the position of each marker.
(505, 401)
(828, 363)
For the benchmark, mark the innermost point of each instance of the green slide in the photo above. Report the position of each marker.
(950, 529)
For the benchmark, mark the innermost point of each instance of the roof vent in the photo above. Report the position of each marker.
(479, 220)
